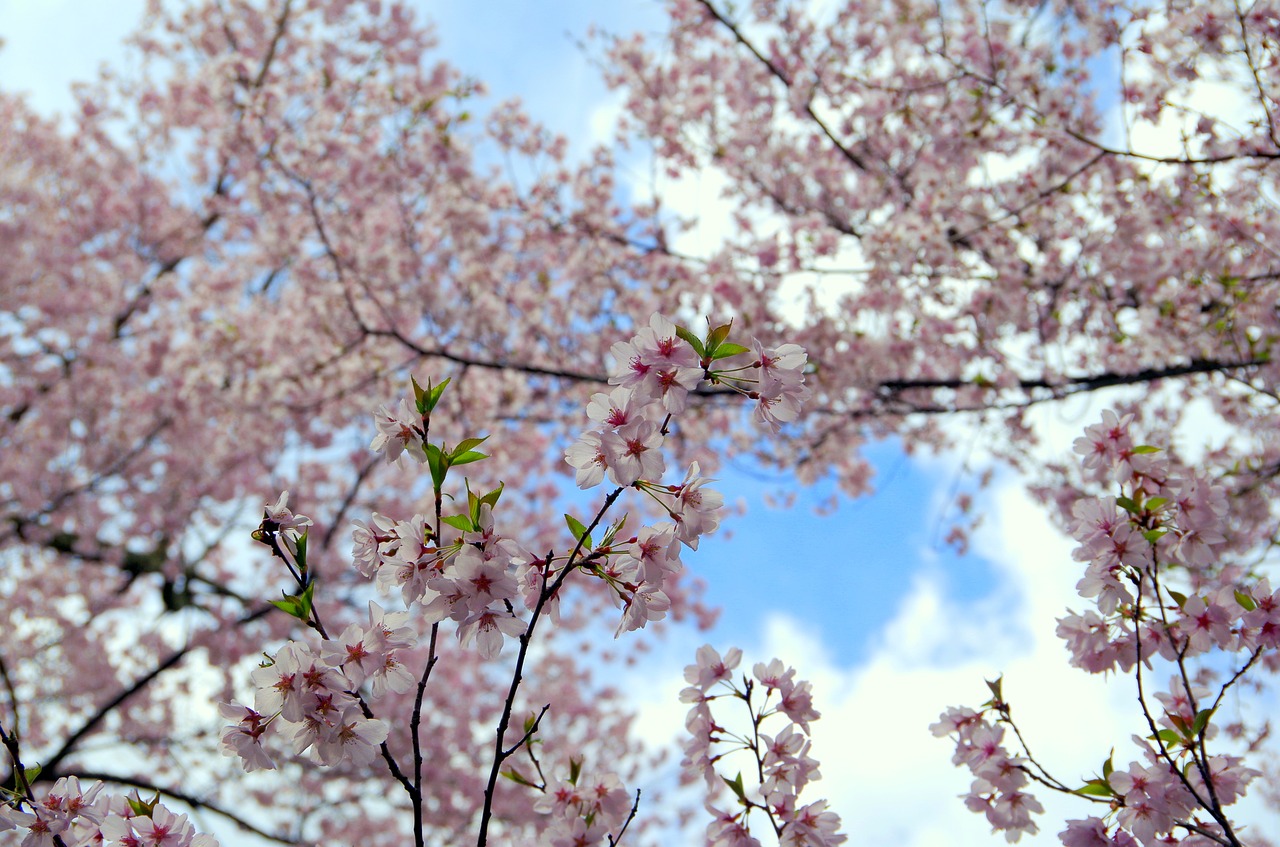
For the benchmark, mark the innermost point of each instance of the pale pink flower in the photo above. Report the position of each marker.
(696, 509)
(632, 452)
(354, 739)
(812, 826)
(615, 409)
(487, 627)
(657, 365)
(397, 433)
(372, 543)
(244, 737)
(709, 668)
(587, 456)
(646, 603)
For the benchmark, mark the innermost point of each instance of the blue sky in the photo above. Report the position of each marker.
(867, 602)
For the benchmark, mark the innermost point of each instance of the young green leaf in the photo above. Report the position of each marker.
(438, 464)
(462, 523)
(1095, 788)
(302, 552)
(735, 785)
(467, 457)
(579, 531)
(290, 605)
(467, 444)
(433, 394)
(717, 336)
(1202, 720)
(516, 777)
(419, 396)
(728, 349)
(692, 340)
(492, 497)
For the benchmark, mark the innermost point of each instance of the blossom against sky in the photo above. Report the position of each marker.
(867, 600)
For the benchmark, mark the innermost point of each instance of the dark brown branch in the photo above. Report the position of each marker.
(52, 764)
(1073, 385)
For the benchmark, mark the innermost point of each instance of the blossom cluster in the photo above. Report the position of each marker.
(999, 778)
(310, 698)
(1164, 528)
(93, 818)
(584, 809)
(471, 580)
(459, 568)
(782, 760)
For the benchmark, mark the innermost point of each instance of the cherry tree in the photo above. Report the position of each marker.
(243, 248)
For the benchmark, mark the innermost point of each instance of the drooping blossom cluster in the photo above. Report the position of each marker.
(310, 699)
(584, 808)
(471, 580)
(781, 760)
(655, 372)
(999, 777)
(1159, 593)
(93, 818)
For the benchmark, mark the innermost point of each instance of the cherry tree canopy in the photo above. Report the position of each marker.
(239, 251)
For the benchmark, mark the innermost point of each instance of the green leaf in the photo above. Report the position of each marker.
(1202, 720)
(575, 770)
(515, 776)
(462, 523)
(438, 465)
(1155, 503)
(728, 349)
(717, 336)
(302, 551)
(1107, 766)
(467, 444)
(1154, 535)
(579, 531)
(1128, 505)
(290, 605)
(1178, 597)
(419, 397)
(1146, 448)
(612, 532)
(467, 457)
(735, 785)
(142, 808)
(297, 605)
(997, 687)
(692, 340)
(1168, 736)
(1095, 788)
(32, 773)
(492, 497)
(1246, 601)
(433, 394)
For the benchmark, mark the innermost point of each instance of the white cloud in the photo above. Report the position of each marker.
(883, 771)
